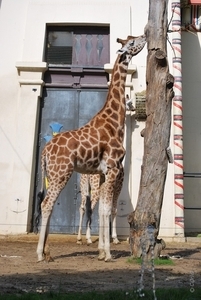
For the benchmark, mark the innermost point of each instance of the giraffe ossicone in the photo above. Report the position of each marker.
(96, 147)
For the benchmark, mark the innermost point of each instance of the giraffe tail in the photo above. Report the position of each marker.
(37, 215)
(40, 196)
(88, 211)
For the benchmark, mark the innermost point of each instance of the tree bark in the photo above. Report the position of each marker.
(159, 94)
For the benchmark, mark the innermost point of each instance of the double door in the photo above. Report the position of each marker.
(66, 109)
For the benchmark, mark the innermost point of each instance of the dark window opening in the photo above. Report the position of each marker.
(59, 47)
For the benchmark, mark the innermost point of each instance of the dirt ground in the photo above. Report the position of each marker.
(76, 267)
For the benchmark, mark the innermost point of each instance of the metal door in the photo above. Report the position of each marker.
(65, 109)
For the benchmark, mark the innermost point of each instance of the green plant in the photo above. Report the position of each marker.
(162, 294)
(142, 93)
(157, 261)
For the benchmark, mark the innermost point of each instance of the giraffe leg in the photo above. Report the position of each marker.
(43, 250)
(47, 204)
(88, 235)
(94, 188)
(104, 234)
(84, 189)
(106, 219)
(114, 227)
(94, 200)
(101, 232)
(117, 191)
(111, 193)
(42, 238)
(79, 236)
(105, 205)
(88, 225)
(47, 256)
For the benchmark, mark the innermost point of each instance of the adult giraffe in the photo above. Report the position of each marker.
(96, 147)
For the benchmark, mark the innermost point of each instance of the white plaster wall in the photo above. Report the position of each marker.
(11, 158)
(22, 34)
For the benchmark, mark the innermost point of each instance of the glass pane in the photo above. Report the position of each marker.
(59, 47)
(60, 38)
(78, 45)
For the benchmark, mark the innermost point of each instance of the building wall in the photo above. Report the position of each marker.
(191, 66)
(22, 34)
(15, 161)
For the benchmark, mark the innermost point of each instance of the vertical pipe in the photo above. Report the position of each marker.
(177, 121)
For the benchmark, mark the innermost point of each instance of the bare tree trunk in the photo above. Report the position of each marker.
(159, 94)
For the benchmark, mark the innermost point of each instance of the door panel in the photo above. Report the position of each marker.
(89, 104)
(67, 109)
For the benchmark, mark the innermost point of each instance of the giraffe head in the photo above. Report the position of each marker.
(131, 46)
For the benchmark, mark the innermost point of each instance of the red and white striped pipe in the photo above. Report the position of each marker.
(177, 121)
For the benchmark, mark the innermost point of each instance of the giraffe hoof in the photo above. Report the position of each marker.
(101, 255)
(49, 259)
(89, 242)
(116, 241)
(79, 242)
(40, 258)
(108, 259)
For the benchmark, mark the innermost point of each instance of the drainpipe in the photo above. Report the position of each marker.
(177, 121)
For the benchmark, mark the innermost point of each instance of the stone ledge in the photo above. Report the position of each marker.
(31, 82)
(28, 66)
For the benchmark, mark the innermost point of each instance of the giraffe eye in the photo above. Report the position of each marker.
(132, 43)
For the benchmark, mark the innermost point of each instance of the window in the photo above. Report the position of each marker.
(59, 47)
(191, 16)
(77, 46)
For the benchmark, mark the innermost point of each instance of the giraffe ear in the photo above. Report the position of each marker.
(123, 42)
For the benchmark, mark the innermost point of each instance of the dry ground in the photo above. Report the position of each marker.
(76, 267)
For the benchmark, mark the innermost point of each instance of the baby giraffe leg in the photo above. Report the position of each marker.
(82, 212)
(114, 226)
(94, 192)
(101, 232)
(88, 235)
(106, 218)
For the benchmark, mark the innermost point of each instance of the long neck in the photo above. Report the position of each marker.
(116, 95)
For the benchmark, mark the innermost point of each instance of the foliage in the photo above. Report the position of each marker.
(157, 261)
(142, 93)
(164, 294)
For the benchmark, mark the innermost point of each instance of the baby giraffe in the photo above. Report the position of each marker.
(90, 192)
(90, 189)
